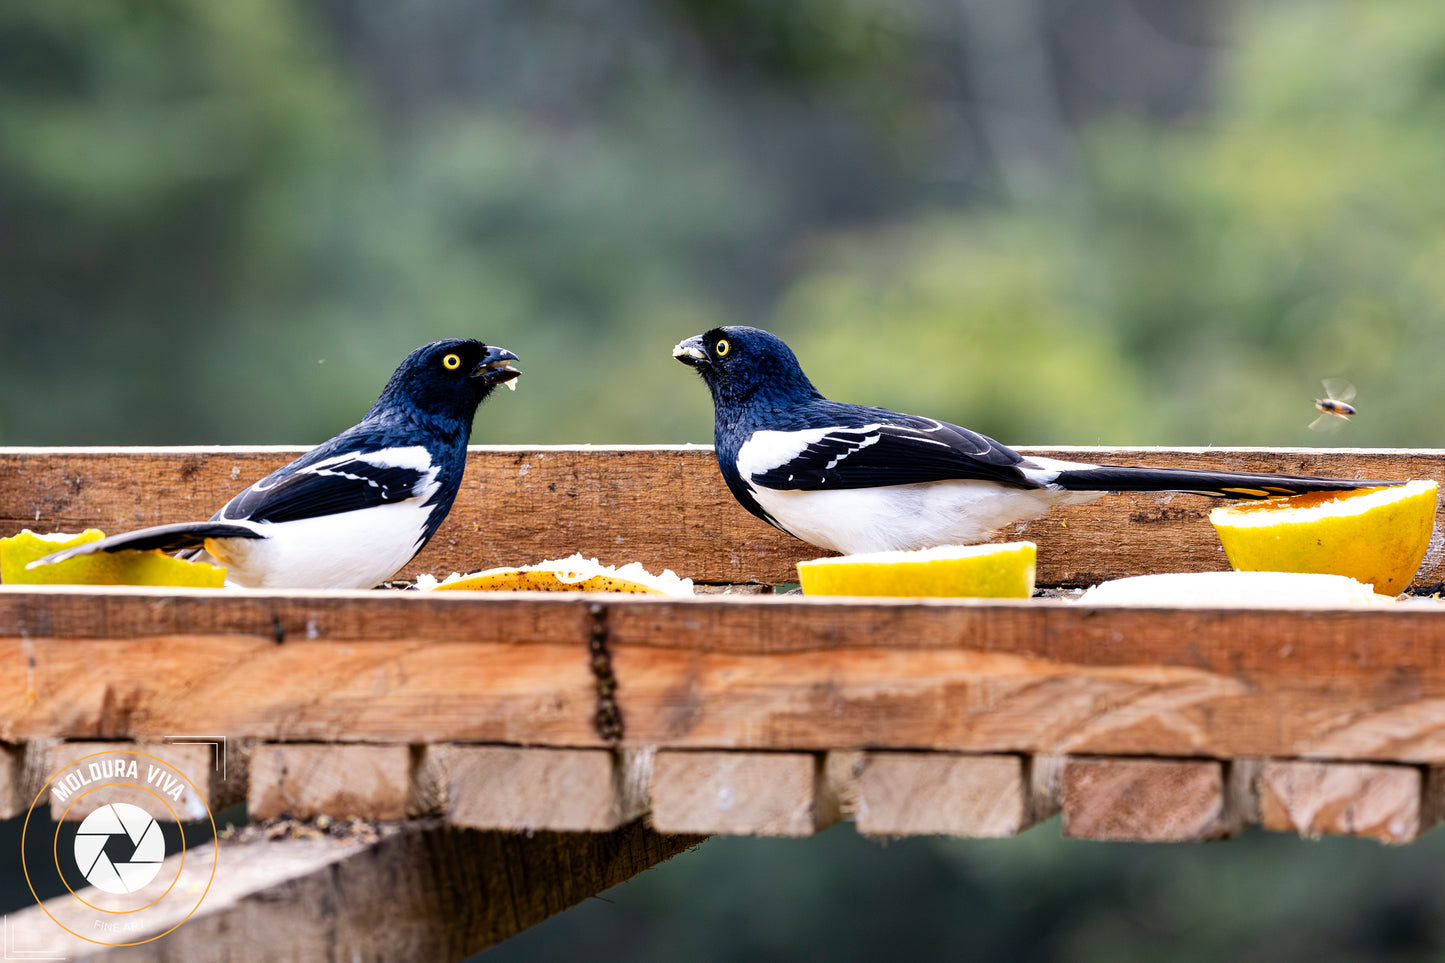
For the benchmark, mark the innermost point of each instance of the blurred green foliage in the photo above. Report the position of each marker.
(1258, 899)
(224, 223)
(1192, 283)
(1058, 222)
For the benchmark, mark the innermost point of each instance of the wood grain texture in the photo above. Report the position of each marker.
(13, 800)
(524, 789)
(1146, 800)
(758, 673)
(344, 782)
(737, 793)
(916, 793)
(194, 763)
(666, 507)
(423, 892)
(1313, 799)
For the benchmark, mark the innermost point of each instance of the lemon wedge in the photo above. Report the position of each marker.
(572, 574)
(979, 571)
(102, 568)
(1377, 536)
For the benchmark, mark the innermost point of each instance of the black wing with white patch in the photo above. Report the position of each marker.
(899, 452)
(325, 488)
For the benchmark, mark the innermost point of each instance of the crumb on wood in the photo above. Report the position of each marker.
(322, 827)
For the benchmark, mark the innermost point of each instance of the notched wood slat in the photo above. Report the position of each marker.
(13, 800)
(1381, 802)
(1146, 800)
(157, 765)
(525, 789)
(917, 793)
(738, 793)
(342, 782)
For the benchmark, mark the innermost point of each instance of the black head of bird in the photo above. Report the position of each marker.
(444, 382)
(743, 365)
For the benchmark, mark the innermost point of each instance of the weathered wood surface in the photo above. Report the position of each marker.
(726, 673)
(663, 506)
(932, 793)
(343, 782)
(1148, 800)
(738, 793)
(422, 892)
(13, 800)
(195, 763)
(884, 793)
(523, 789)
(1388, 803)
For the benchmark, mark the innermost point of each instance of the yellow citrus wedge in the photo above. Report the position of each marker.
(102, 568)
(1376, 536)
(573, 574)
(1003, 571)
(1235, 589)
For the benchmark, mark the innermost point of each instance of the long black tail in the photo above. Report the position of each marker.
(1230, 484)
(167, 538)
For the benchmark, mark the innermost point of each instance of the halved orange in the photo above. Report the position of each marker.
(1377, 536)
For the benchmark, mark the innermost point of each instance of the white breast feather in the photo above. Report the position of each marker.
(902, 517)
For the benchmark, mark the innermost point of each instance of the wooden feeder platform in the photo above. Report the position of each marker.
(462, 729)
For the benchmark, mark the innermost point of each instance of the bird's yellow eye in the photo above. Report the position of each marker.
(722, 348)
(452, 362)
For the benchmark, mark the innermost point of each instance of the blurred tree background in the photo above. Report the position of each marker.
(1055, 221)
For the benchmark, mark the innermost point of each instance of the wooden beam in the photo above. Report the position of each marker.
(417, 892)
(738, 794)
(195, 763)
(340, 781)
(918, 793)
(753, 673)
(524, 789)
(1344, 799)
(1147, 800)
(663, 506)
(13, 801)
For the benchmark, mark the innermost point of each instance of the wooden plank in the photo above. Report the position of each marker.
(913, 793)
(1146, 800)
(663, 506)
(421, 892)
(525, 789)
(1343, 799)
(737, 793)
(762, 673)
(344, 782)
(676, 509)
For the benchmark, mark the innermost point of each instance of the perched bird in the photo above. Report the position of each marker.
(355, 510)
(856, 479)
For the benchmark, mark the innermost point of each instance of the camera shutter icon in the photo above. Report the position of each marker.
(119, 848)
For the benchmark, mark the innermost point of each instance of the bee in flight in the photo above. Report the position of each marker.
(1334, 407)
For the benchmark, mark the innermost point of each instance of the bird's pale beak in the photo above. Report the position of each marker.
(690, 352)
(494, 370)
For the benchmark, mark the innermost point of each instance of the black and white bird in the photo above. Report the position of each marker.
(857, 479)
(352, 512)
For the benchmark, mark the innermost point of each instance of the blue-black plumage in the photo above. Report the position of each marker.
(852, 478)
(353, 511)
